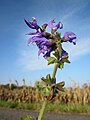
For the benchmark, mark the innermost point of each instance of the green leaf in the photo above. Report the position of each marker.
(60, 85)
(61, 89)
(44, 80)
(51, 60)
(65, 60)
(61, 65)
(47, 79)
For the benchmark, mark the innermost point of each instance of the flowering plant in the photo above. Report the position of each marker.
(50, 45)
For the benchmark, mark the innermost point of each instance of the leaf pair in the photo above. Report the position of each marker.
(51, 60)
(55, 89)
(60, 86)
(62, 61)
(48, 80)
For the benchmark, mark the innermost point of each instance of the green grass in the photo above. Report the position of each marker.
(68, 108)
(8, 104)
(74, 108)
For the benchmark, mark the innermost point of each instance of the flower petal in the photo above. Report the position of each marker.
(71, 37)
(55, 27)
(38, 38)
(63, 54)
(59, 25)
(32, 24)
(50, 24)
(29, 24)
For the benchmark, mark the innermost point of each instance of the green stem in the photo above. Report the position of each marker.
(42, 111)
(55, 70)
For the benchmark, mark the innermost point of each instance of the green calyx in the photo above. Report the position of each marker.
(52, 60)
(47, 85)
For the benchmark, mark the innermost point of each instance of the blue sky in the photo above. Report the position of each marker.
(18, 61)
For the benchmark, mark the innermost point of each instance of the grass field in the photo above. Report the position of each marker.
(73, 100)
(68, 108)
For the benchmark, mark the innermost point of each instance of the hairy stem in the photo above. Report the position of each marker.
(55, 70)
(42, 111)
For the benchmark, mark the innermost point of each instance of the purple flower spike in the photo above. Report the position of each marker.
(71, 37)
(47, 42)
(59, 25)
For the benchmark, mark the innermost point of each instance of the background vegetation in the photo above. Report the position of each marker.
(74, 99)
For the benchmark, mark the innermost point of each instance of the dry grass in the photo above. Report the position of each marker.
(15, 93)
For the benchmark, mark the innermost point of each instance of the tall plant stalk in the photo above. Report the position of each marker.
(48, 43)
(42, 111)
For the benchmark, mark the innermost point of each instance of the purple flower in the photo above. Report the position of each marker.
(39, 39)
(54, 81)
(50, 24)
(63, 54)
(39, 30)
(71, 37)
(43, 44)
(32, 24)
(45, 41)
(59, 25)
(42, 39)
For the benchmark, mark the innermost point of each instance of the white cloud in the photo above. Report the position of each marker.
(82, 48)
(29, 59)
